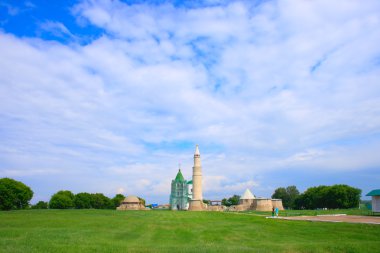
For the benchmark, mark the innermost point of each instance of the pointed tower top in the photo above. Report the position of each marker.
(196, 150)
(247, 195)
(179, 177)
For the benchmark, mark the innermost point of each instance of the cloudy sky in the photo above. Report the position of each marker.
(110, 96)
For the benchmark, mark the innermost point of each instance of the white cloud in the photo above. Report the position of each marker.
(56, 28)
(120, 190)
(307, 155)
(28, 172)
(222, 184)
(260, 88)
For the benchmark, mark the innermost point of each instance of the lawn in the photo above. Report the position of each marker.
(167, 231)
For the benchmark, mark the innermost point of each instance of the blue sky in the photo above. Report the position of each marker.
(109, 96)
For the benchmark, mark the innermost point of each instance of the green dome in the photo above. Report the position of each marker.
(179, 177)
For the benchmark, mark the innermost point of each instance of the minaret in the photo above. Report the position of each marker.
(196, 204)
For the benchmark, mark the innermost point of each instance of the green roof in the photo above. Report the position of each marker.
(179, 177)
(190, 182)
(374, 193)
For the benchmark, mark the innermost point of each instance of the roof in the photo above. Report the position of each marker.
(190, 182)
(247, 195)
(374, 193)
(131, 199)
(179, 177)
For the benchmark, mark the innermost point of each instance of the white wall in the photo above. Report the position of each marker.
(375, 203)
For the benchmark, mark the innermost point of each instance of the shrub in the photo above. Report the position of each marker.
(40, 205)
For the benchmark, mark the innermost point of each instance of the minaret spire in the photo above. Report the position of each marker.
(197, 150)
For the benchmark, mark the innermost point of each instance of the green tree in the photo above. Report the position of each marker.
(234, 200)
(335, 196)
(116, 201)
(299, 202)
(14, 194)
(207, 201)
(82, 200)
(342, 196)
(288, 195)
(40, 205)
(293, 194)
(313, 197)
(280, 193)
(99, 201)
(62, 200)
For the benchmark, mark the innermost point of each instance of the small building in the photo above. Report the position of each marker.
(375, 194)
(131, 203)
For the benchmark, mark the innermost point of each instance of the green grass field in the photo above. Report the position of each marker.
(166, 231)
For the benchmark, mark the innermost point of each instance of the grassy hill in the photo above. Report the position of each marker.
(166, 231)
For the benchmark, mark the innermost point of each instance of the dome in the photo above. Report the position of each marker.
(131, 199)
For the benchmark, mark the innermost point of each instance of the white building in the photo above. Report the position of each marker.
(375, 200)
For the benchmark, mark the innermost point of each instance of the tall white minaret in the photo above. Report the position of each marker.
(196, 204)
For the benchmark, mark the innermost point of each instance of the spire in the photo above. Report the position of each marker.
(247, 195)
(179, 177)
(197, 150)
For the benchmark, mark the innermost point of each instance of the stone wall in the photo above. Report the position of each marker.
(216, 208)
(262, 205)
(277, 203)
(132, 206)
(257, 205)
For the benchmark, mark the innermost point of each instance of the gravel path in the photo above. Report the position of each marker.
(337, 218)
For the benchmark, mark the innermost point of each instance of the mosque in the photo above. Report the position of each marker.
(187, 195)
(181, 192)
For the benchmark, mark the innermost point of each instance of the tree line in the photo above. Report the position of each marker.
(16, 195)
(66, 200)
(339, 196)
(234, 200)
